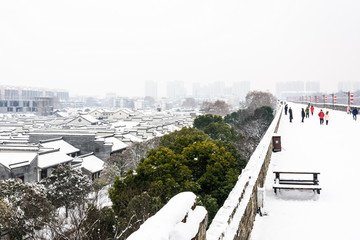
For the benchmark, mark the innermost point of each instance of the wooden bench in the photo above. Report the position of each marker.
(295, 182)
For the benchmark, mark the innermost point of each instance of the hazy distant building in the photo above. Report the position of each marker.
(122, 102)
(290, 89)
(312, 87)
(175, 89)
(348, 86)
(23, 99)
(151, 89)
(218, 89)
(240, 89)
(297, 88)
(196, 90)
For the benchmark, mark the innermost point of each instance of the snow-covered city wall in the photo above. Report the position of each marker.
(179, 219)
(235, 218)
(338, 107)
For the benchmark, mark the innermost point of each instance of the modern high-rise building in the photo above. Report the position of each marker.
(151, 89)
(297, 88)
(348, 86)
(175, 89)
(312, 87)
(240, 89)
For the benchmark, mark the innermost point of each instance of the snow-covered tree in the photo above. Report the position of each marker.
(24, 208)
(67, 187)
(120, 163)
(189, 103)
(257, 99)
(217, 108)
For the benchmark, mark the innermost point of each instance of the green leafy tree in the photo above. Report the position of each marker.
(202, 121)
(214, 169)
(178, 140)
(221, 131)
(67, 187)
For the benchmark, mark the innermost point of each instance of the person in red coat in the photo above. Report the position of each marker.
(321, 116)
(312, 110)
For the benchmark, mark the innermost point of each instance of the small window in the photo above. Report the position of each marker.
(43, 173)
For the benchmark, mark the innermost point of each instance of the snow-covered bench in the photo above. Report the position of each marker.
(296, 180)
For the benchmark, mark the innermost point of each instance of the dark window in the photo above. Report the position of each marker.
(14, 103)
(3, 103)
(43, 173)
(26, 104)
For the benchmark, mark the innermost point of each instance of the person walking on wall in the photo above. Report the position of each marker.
(312, 110)
(286, 109)
(321, 116)
(327, 117)
(355, 113)
(302, 115)
(307, 111)
(290, 114)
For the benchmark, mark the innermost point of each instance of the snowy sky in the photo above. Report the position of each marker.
(95, 47)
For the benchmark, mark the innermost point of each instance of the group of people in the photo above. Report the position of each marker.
(306, 113)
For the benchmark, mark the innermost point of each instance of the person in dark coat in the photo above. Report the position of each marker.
(355, 113)
(290, 114)
(302, 115)
(286, 109)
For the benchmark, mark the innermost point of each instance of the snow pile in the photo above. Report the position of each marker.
(167, 223)
(227, 219)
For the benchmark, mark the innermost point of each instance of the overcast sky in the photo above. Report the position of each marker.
(94, 47)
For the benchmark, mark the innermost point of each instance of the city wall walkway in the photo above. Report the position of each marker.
(333, 150)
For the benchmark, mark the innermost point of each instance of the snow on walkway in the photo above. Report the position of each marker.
(332, 150)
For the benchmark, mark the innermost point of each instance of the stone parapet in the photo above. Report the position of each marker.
(236, 217)
(180, 218)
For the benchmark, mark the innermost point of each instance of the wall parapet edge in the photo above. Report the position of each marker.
(235, 218)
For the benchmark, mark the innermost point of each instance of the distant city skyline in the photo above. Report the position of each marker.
(116, 46)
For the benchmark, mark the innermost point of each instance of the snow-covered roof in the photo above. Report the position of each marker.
(92, 163)
(117, 144)
(52, 158)
(133, 138)
(90, 118)
(62, 145)
(12, 160)
(172, 128)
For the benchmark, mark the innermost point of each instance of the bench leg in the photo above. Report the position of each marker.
(318, 191)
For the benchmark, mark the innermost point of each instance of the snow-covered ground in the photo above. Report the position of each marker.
(332, 150)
